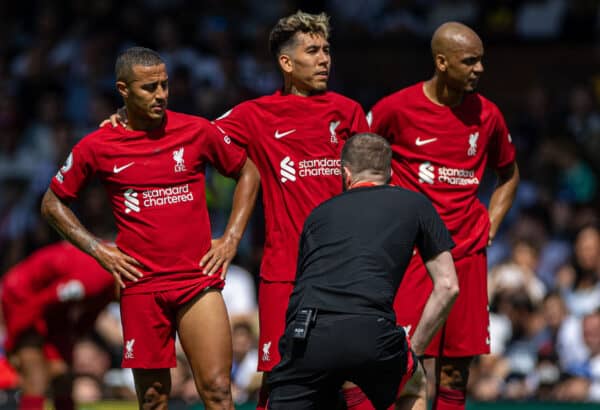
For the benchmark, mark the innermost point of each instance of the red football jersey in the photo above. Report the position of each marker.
(156, 184)
(442, 152)
(295, 143)
(58, 282)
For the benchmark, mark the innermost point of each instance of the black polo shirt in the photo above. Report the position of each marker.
(355, 247)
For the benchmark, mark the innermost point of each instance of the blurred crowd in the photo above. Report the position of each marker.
(57, 84)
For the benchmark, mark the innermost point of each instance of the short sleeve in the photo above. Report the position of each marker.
(502, 150)
(77, 170)
(232, 124)
(359, 121)
(433, 237)
(379, 120)
(221, 152)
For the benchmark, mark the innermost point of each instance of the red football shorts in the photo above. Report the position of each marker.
(466, 332)
(273, 299)
(149, 324)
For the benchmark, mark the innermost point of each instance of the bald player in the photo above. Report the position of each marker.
(443, 135)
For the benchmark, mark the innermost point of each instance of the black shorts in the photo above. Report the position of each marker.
(370, 351)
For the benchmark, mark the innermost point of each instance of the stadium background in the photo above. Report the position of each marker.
(542, 69)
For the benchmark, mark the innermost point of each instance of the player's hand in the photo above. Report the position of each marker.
(117, 263)
(220, 255)
(120, 117)
(491, 236)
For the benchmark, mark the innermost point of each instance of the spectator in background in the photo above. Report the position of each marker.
(585, 383)
(87, 389)
(527, 338)
(540, 19)
(245, 379)
(518, 273)
(240, 295)
(583, 119)
(184, 393)
(574, 180)
(580, 281)
(48, 300)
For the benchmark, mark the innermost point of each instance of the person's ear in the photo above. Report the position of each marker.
(285, 63)
(122, 89)
(347, 177)
(441, 63)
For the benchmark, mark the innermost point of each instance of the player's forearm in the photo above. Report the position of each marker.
(437, 308)
(503, 196)
(64, 221)
(244, 198)
(436, 311)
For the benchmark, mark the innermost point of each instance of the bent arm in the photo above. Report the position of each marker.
(224, 248)
(63, 220)
(244, 198)
(61, 217)
(445, 290)
(502, 197)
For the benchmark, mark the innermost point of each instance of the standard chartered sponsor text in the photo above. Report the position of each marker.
(456, 176)
(319, 167)
(167, 196)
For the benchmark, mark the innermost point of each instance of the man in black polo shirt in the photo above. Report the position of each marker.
(340, 323)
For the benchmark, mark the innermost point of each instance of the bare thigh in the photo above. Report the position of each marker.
(205, 336)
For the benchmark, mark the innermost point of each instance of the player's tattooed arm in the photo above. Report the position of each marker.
(65, 222)
(223, 249)
(502, 197)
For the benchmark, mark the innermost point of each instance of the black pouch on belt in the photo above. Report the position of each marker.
(304, 320)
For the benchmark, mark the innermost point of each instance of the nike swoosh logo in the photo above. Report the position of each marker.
(283, 134)
(116, 169)
(420, 142)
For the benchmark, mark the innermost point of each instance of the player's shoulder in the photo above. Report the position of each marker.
(340, 99)
(179, 118)
(406, 93)
(186, 123)
(248, 107)
(399, 98)
(487, 105)
(98, 138)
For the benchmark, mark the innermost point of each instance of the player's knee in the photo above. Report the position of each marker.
(454, 373)
(217, 389)
(33, 370)
(155, 397)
